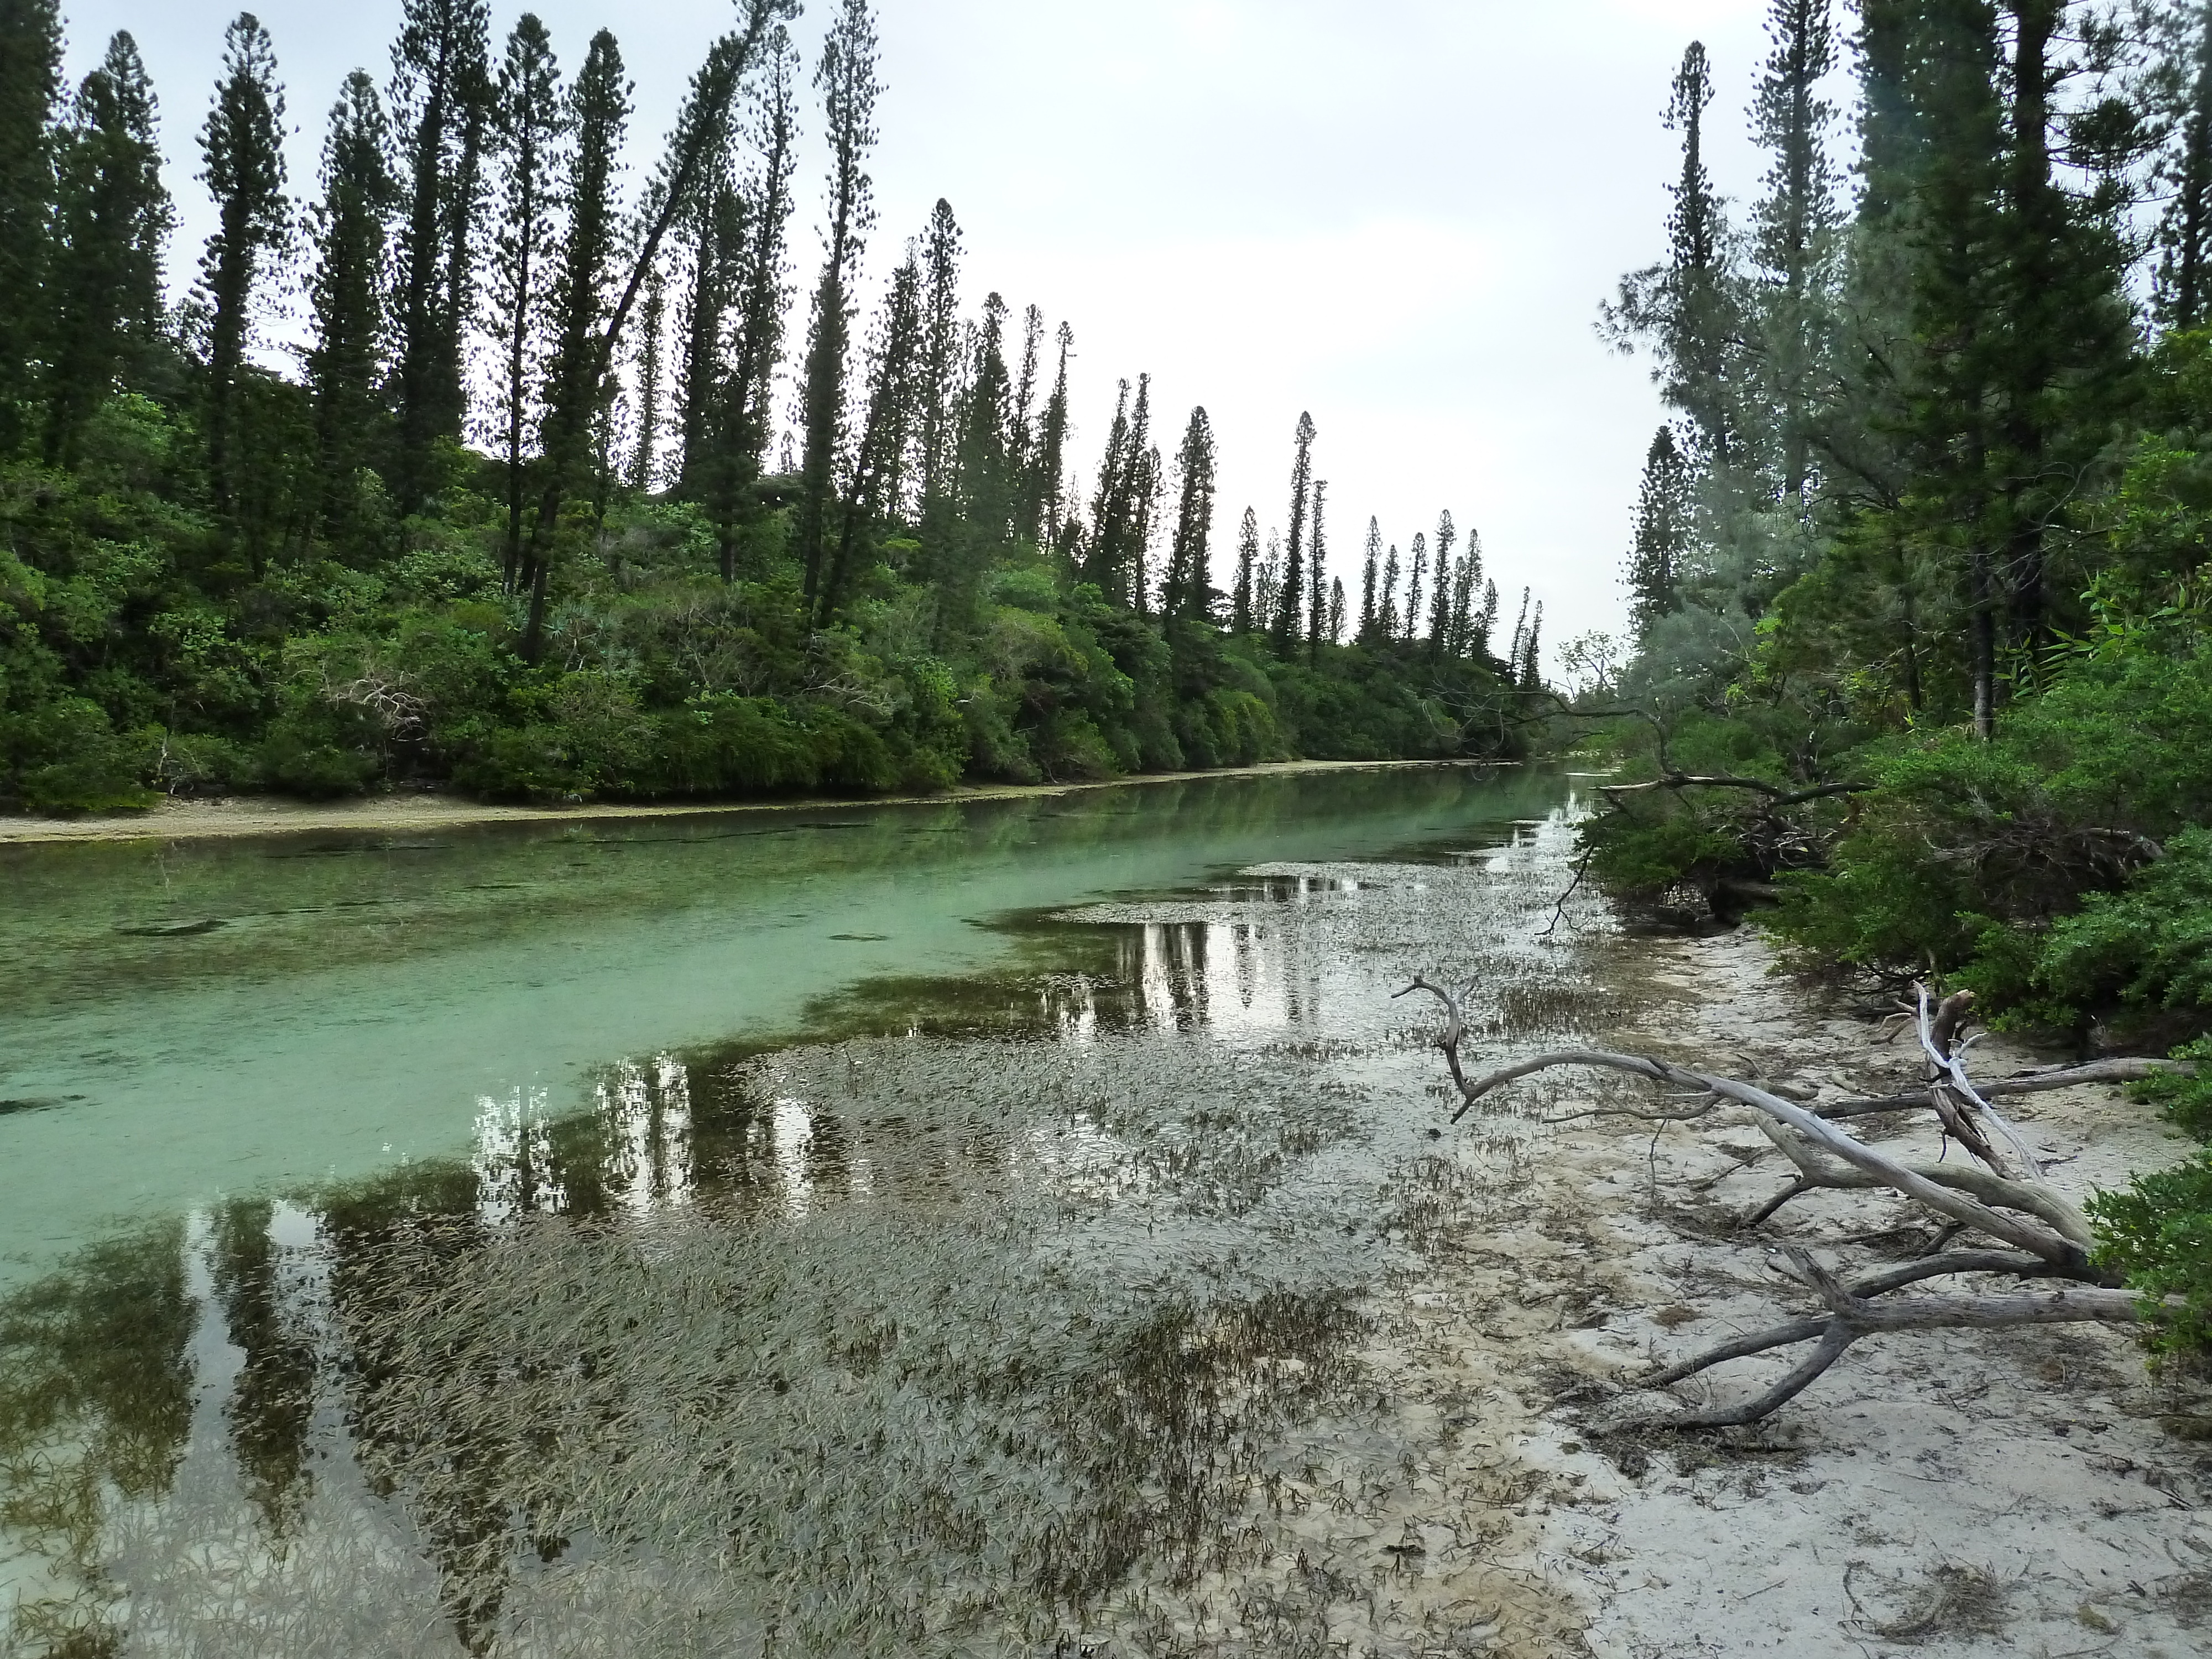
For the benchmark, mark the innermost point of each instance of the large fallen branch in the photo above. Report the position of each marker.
(2003, 1196)
(2132, 1069)
(1777, 796)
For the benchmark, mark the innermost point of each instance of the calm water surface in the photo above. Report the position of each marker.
(361, 1000)
(906, 1230)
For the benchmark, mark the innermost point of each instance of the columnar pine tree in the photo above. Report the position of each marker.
(1109, 499)
(2066, 325)
(2183, 297)
(1336, 628)
(242, 145)
(1243, 618)
(1316, 560)
(1532, 661)
(1047, 472)
(1140, 483)
(1021, 425)
(1371, 571)
(1686, 308)
(1267, 585)
(1461, 643)
(716, 220)
(940, 369)
(1700, 321)
(1948, 183)
(529, 120)
(986, 468)
(439, 87)
(755, 234)
(465, 213)
(1128, 485)
(1187, 594)
(846, 78)
(1794, 225)
(1147, 484)
(1486, 621)
(1415, 589)
(1440, 601)
(1663, 532)
(30, 82)
(1386, 614)
(345, 364)
(874, 494)
(1287, 617)
(114, 218)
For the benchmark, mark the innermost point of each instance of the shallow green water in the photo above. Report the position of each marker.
(913, 1230)
(362, 999)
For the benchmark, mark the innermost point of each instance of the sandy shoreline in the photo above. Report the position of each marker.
(1961, 1493)
(262, 815)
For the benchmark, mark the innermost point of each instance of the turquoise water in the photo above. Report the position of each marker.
(361, 999)
(912, 1231)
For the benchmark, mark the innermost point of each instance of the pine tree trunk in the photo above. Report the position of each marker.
(1982, 646)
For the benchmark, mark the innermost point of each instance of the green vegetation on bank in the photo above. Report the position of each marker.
(1920, 576)
(508, 520)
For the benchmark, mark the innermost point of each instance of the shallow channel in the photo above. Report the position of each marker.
(918, 1230)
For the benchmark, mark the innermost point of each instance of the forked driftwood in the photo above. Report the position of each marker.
(2003, 1197)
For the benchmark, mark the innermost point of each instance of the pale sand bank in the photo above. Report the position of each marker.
(1959, 1493)
(262, 815)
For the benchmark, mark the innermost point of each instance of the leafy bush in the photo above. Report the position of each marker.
(2157, 1233)
(1977, 860)
(66, 757)
(2149, 946)
(317, 641)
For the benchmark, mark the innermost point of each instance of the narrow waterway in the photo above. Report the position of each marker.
(908, 1230)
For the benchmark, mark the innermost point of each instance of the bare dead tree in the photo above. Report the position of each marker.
(2015, 1223)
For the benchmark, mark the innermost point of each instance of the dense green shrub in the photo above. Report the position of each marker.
(147, 645)
(2158, 1233)
(2029, 867)
(66, 757)
(2149, 946)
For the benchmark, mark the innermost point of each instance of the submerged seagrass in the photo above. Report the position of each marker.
(998, 1313)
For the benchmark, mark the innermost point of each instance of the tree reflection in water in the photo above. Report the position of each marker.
(988, 1322)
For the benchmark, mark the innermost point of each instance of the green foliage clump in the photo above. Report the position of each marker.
(1657, 839)
(66, 756)
(2052, 869)
(2157, 1233)
(2149, 946)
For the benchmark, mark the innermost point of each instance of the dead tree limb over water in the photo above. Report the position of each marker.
(2003, 1199)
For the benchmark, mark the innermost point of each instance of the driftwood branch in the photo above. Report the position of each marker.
(2129, 1070)
(2003, 1196)
(1777, 796)
(1827, 1156)
(1853, 1314)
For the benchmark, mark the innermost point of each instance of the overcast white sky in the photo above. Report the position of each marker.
(1399, 216)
